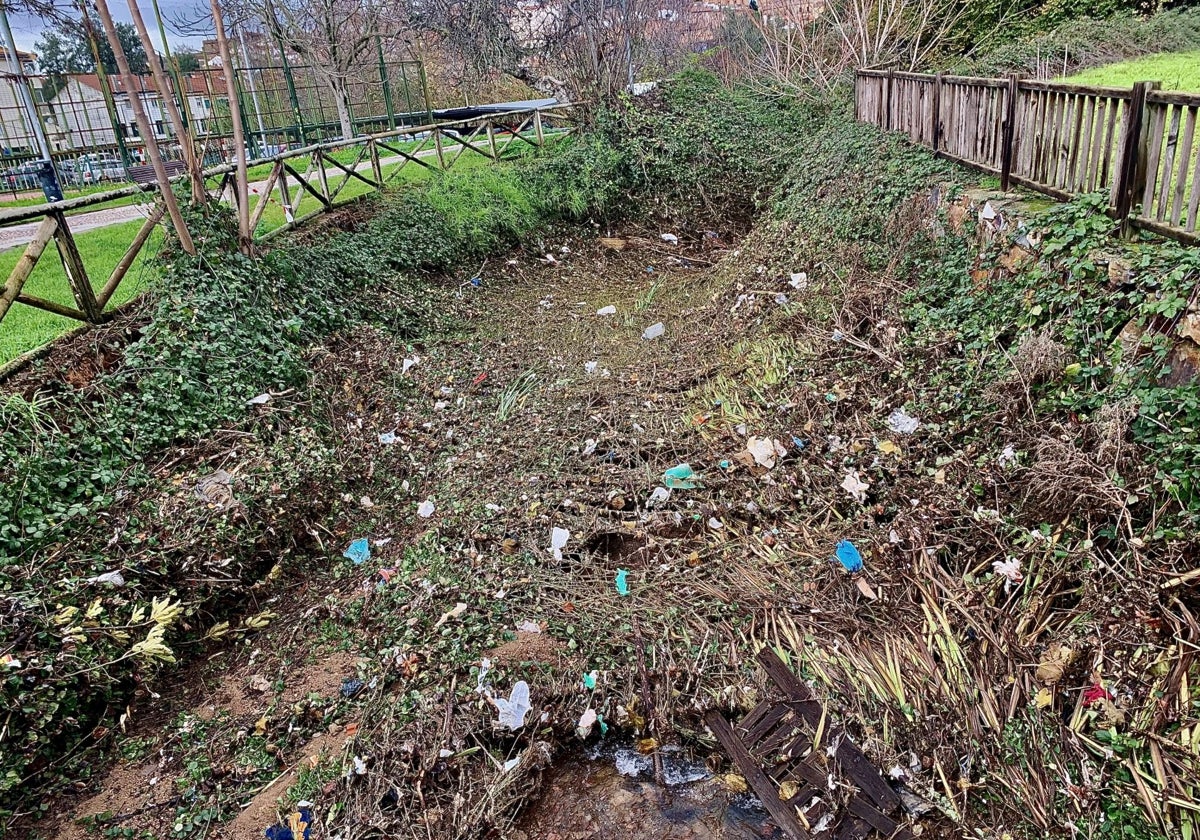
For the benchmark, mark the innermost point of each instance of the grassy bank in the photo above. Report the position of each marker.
(1176, 71)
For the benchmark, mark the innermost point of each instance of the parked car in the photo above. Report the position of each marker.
(23, 176)
(93, 169)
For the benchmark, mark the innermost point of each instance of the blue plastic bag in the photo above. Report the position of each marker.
(359, 551)
(849, 557)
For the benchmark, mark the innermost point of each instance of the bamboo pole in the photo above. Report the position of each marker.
(139, 115)
(167, 95)
(239, 137)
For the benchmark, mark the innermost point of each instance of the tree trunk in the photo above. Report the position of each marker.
(341, 99)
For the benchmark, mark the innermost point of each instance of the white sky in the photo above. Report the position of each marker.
(28, 28)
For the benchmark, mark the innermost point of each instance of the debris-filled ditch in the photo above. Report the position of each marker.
(867, 514)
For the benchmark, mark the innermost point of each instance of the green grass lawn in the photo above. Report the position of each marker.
(25, 328)
(1176, 71)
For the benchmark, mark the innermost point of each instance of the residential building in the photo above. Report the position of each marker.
(16, 134)
(78, 117)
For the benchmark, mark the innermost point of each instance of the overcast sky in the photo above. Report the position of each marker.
(28, 28)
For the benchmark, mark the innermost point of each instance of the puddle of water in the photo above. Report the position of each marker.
(610, 792)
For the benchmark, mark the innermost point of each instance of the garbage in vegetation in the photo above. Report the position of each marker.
(513, 710)
(669, 238)
(297, 827)
(115, 579)
(528, 626)
(781, 299)
(724, 464)
(351, 686)
(658, 496)
(485, 665)
(386, 576)
(681, 477)
(590, 367)
(612, 243)
(798, 280)
(798, 443)
(901, 422)
(653, 331)
(765, 451)
(607, 310)
(387, 438)
(261, 399)
(458, 610)
(1008, 456)
(359, 767)
(715, 524)
(511, 764)
(589, 680)
(9, 661)
(649, 269)
(408, 363)
(849, 557)
(855, 486)
(1010, 570)
(366, 502)
(359, 551)
(425, 509)
(586, 721)
(558, 541)
(549, 259)
(215, 489)
(622, 582)
(259, 683)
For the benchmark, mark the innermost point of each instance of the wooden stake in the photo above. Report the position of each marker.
(143, 123)
(239, 139)
(167, 95)
(24, 266)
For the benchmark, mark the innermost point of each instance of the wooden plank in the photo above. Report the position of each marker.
(1168, 166)
(376, 168)
(307, 187)
(264, 197)
(25, 264)
(1185, 157)
(865, 775)
(51, 306)
(1128, 157)
(755, 715)
(1112, 141)
(854, 828)
(765, 724)
(882, 823)
(1194, 201)
(75, 270)
(1008, 132)
(1154, 142)
(122, 267)
(1081, 145)
(763, 787)
(1093, 182)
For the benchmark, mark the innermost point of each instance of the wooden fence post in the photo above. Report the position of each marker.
(935, 133)
(1008, 133)
(1131, 171)
(77, 277)
(887, 101)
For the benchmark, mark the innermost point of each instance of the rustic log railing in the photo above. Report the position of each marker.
(313, 171)
(1138, 145)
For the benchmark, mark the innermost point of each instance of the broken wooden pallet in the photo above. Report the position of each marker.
(790, 748)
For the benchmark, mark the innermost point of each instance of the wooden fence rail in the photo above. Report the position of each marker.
(1139, 145)
(313, 171)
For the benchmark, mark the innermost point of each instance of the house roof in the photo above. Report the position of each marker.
(21, 55)
(193, 83)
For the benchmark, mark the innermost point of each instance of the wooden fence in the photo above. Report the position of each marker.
(313, 171)
(1139, 145)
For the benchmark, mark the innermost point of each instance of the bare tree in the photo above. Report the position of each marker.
(562, 48)
(338, 39)
(805, 49)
